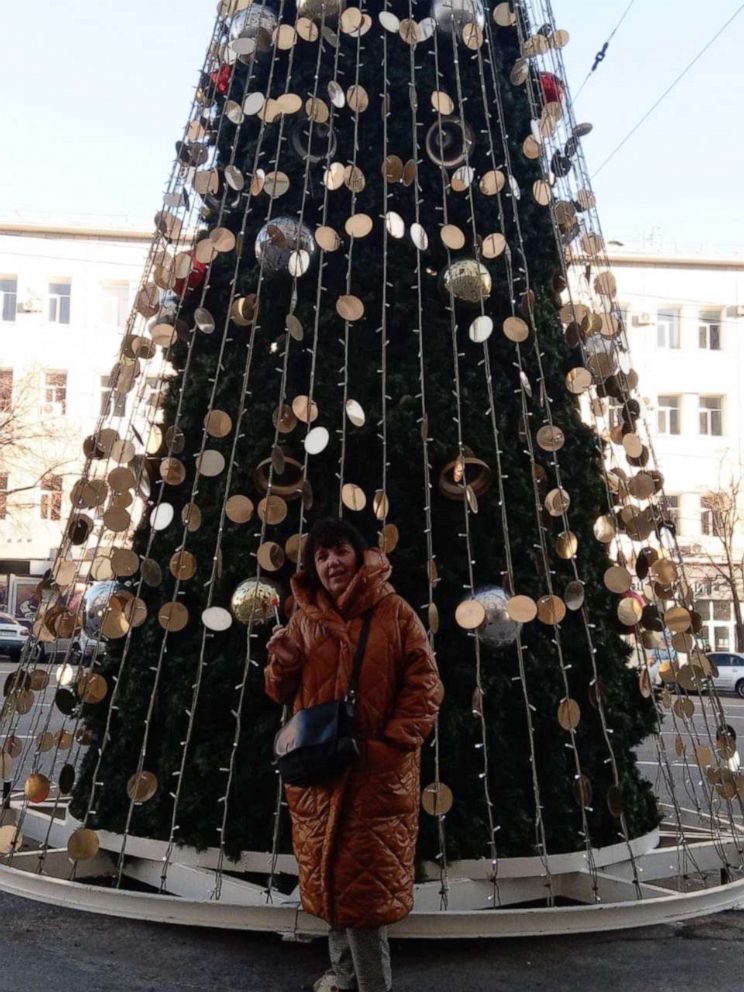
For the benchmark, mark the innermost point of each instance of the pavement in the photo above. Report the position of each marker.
(44, 949)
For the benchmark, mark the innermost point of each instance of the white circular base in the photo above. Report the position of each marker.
(470, 911)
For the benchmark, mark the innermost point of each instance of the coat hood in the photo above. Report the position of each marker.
(366, 589)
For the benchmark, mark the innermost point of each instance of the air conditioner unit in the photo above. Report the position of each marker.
(737, 311)
(643, 319)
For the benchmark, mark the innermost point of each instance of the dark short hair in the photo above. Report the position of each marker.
(330, 533)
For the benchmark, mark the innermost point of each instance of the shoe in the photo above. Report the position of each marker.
(328, 983)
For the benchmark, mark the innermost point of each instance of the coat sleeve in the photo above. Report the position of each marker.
(419, 695)
(281, 680)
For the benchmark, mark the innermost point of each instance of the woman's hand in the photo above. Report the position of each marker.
(281, 646)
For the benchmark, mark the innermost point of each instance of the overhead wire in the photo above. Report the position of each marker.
(602, 53)
(668, 90)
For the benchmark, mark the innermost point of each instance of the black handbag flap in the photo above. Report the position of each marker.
(310, 727)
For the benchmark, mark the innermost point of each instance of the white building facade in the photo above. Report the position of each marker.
(685, 321)
(65, 295)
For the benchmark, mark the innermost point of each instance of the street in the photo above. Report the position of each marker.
(46, 949)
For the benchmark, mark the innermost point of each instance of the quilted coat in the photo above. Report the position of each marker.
(355, 837)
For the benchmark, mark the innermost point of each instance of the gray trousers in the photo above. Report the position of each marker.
(361, 959)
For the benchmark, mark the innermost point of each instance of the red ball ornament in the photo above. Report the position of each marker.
(221, 78)
(553, 89)
(194, 279)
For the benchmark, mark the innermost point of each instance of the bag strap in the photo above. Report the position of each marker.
(359, 657)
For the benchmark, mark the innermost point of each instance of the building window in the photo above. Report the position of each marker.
(670, 509)
(711, 415)
(3, 495)
(667, 415)
(114, 304)
(721, 638)
(111, 402)
(667, 329)
(718, 623)
(8, 297)
(709, 330)
(6, 390)
(54, 400)
(59, 302)
(51, 497)
(615, 413)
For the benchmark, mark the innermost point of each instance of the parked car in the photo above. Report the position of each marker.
(80, 647)
(730, 665)
(13, 636)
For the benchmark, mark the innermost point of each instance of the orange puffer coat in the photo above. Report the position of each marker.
(355, 838)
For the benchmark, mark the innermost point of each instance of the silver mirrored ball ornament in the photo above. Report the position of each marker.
(321, 11)
(467, 280)
(257, 23)
(454, 15)
(278, 240)
(499, 630)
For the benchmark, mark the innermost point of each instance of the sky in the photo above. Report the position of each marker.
(96, 94)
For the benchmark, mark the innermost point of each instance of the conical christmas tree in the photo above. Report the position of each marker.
(361, 294)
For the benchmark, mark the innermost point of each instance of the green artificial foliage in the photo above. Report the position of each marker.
(253, 794)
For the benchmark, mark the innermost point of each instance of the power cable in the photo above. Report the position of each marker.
(669, 89)
(602, 53)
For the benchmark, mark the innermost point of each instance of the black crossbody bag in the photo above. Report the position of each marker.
(318, 743)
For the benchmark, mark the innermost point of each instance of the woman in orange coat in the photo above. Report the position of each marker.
(355, 837)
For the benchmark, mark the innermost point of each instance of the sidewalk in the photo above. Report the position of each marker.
(44, 949)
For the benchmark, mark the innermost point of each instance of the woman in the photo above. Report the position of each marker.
(355, 837)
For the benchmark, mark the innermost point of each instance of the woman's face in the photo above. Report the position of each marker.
(336, 567)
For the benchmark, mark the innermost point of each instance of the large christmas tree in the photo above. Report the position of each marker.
(371, 320)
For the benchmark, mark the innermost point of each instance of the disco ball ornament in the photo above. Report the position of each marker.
(283, 245)
(499, 630)
(321, 11)
(602, 358)
(467, 280)
(455, 15)
(449, 142)
(255, 601)
(258, 24)
(97, 599)
(553, 89)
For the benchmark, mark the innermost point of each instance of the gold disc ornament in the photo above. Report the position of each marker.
(36, 787)
(142, 786)
(437, 799)
(82, 844)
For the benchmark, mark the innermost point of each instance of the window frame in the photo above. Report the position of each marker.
(671, 509)
(112, 403)
(120, 301)
(56, 310)
(669, 413)
(6, 307)
(706, 414)
(707, 320)
(53, 405)
(50, 502)
(6, 393)
(670, 319)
